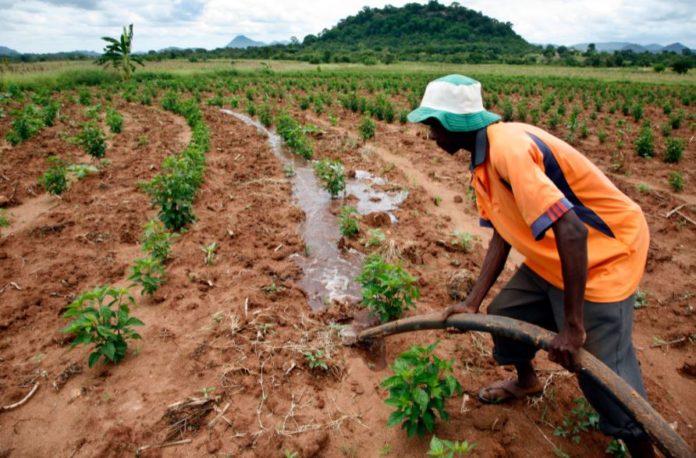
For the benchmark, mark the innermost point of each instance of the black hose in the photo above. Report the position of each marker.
(666, 439)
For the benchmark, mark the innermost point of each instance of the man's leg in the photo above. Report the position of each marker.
(523, 298)
(609, 328)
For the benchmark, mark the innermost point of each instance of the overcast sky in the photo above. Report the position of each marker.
(61, 25)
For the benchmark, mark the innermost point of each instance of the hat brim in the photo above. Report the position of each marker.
(455, 122)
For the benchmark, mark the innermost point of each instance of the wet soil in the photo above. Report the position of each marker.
(234, 335)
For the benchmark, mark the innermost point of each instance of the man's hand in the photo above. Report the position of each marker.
(462, 307)
(564, 348)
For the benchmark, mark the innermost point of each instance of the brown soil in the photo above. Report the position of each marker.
(242, 325)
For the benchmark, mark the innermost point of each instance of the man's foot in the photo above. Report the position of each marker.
(505, 390)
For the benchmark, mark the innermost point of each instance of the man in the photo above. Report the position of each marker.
(584, 241)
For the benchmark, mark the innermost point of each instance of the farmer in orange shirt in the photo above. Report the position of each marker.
(585, 245)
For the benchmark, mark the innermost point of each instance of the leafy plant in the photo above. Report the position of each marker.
(644, 144)
(582, 418)
(209, 251)
(332, 174)
(675, 150)
(464, 241)
(449, 449)
(148, 273)
(4, 222)
(641, 299)
(118, 54)
(367, 128)
(50, 111)
(102, 318)
(616, 448)
(292, 134)
(387, 288)
(418, 389)
(26, 124)
(81, 171)
(55, 180)
(676, 181)
(114, 120)
(643, 188)
(157, 240)
(348, 222)
(316, 360)
(92, 140)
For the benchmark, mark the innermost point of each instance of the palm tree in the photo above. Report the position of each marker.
(117, 53)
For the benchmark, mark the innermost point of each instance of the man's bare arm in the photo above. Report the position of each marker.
(571, 241)
(493, 263)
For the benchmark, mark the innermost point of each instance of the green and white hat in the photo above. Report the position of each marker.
(455, 101)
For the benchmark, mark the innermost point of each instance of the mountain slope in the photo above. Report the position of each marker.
(241, 41)
(5, 51)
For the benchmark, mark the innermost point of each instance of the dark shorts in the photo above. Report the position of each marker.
(528, 297)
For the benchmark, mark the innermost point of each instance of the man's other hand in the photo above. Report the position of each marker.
(462, 307)
(564, 348)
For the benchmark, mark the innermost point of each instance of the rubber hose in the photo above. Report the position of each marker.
(666, 439)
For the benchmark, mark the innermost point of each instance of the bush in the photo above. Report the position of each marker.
(676, 181)
(367, 128)
(418, 389)
(25, 125)
(675, 149)
(387, 288)
(348, 222)
(265, 115)
(644, 144)
(102, 317)
(507, 111)
(54, 180)
(114, 120)
(294, 137)
(332, 174)
(92, 140)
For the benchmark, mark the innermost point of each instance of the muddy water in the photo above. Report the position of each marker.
(328, 273)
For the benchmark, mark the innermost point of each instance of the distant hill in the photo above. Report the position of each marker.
(5, 51)
(613, 46)
(240, 41)
(420, 30)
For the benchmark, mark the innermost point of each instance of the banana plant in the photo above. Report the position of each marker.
(118, 54)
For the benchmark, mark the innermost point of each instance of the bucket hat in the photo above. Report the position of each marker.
(455, 101)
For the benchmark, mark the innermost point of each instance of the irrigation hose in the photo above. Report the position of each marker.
(666, 439)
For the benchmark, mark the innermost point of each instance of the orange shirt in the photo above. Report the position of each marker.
(525, 179)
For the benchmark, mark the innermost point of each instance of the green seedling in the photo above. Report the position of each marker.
(316, 360)
(617, 448)
(385, 450)
(92, 140)
(643, 188)
(288, 170)
(81, 171)
(675, 150)
(4, 221)
(375, 237)
(55, 180)
(464, 241)
(102, 318)
(418, 389)
(157, 240)
(641, 299)
(332, 175)
(367, 128)
(449, 449)
(209, 251)
(206, 390)
(582, 418)
(289, 454)
(387, 288)
(645, 143)
(148, 273)
(348, 222)
(676, 181)
(114, 120)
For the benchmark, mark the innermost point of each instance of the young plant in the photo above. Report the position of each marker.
(348, 222)
(102, 318)
(157, 240)
(4, 222)
(81, 171)
(209, 251)
(463, 241)
(645, 145)
(25, 125)
(292, 134)
(332, 174)
(375, 237)
(676, 181)
(148, 273)
(55, 180)
(387, 288)
(675, 150)
(418, 389)
(449, 449)
(367, 128)
(114, 120)
(92, 140)
(582, 418)
(316, 360)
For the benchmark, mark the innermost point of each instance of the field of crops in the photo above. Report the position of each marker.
(166, 241)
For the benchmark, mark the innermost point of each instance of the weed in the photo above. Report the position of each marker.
(582, 418)
(676, 181)
(289, 170)
(148, 273)
(143, 140)
(348, 222)
(206, 390)
(157, 240)
(449, 449)
(385, 450)
(4, 222)
(332, 174)
(209, 252)
(641, 299)
(102, 317)
(375, 237)
(387, 288)
(675, 150)
(367, 128)
(92, 140)
(464, 241)
(643, 188)
(289, 454)
(616, 448)
(114, 120)
(437, 200)
(55, 180)
(418, 389)
(333, 120)
(315, 360)
(81, 171)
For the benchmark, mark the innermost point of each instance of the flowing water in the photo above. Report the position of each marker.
(329, 273)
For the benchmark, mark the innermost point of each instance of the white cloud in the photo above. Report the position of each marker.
(60, 25)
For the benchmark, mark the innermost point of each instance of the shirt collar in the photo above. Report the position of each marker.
(478, 156)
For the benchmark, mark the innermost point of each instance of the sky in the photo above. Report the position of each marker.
(63, 25)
